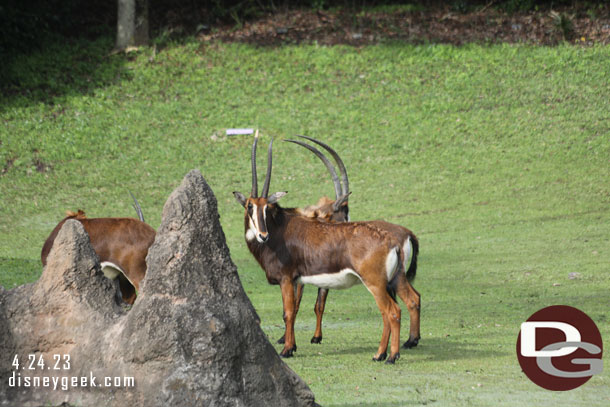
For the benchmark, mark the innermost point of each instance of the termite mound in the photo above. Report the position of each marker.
(192, 337)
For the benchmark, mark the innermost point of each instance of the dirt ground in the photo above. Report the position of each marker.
(436, 25)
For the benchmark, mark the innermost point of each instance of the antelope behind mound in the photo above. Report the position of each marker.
(292, 248)
(121, 245)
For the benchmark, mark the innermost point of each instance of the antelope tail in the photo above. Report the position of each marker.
(412, 271)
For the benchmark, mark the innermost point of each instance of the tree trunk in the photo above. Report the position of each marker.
(132, 24)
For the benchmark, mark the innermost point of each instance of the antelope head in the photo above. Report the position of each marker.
(257, 207)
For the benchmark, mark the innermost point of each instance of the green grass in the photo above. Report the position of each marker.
(497, 157)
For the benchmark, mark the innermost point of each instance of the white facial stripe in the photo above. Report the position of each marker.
(258, 235)
(254, 218)
(343, 279)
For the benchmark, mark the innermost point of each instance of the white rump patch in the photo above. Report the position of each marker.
(407, 248)
(112, 271)
(343, 279)
(391, 263)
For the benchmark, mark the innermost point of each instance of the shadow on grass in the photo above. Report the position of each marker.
(59, 68)
(384, 404)
(429, 349)
(445, 349)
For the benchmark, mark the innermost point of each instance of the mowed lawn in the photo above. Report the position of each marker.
(497, 157)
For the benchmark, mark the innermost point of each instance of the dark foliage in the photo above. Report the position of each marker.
(28, 24)
(190, 13)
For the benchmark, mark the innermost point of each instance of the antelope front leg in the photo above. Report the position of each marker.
(288, 299)
(298, 288)
(319, 310)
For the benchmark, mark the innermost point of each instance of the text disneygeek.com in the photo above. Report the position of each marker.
(68, 382)
(23, 375)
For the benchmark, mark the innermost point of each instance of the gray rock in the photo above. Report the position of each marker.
(192, 337)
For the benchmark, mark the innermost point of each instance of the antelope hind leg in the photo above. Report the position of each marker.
(319, 310)
(390, 312)
(412, 299)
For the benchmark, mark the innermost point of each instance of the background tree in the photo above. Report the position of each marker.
(132, 24)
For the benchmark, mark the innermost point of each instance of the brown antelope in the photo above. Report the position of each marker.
(292, 248)
(338, 211)
(120, 243)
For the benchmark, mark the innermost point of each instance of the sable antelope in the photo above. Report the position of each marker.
(337, 211)
(293, 248)
(120, 243)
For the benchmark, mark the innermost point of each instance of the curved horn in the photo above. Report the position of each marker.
(254, 192)
(328, 164)
(268, 176)
(137, 207)
(345, 188)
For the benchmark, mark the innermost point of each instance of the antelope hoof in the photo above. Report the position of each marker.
(392, 359)
(380, 358)
(288, 353)
(411, 343)
(316, 339)
(282, 340)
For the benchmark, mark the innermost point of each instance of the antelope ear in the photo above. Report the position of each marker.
(276, 197)
(240, 198)
(342, 200)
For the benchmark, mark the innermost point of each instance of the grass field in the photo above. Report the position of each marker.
(497, 157)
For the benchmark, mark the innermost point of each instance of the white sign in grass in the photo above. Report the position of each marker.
(239, 132)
